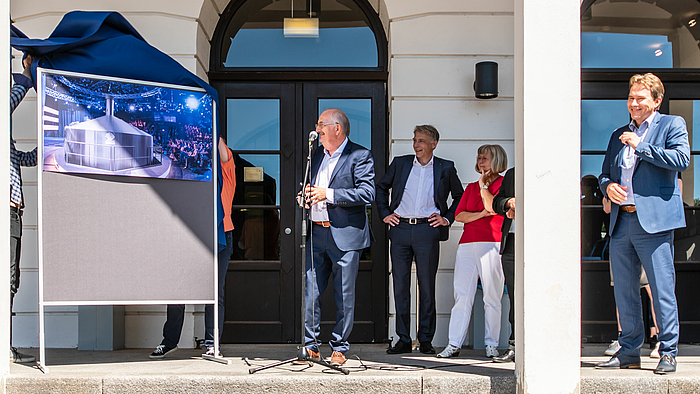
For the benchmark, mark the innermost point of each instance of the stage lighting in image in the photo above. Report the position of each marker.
(192, 103)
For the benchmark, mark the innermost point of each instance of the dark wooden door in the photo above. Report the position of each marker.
(365, 106)
(266, 125)
(257, 121)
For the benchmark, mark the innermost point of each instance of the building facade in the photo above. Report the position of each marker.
(422, 73)
(390, 97)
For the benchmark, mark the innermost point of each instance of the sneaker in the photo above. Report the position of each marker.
(507, 357)
(162, 351)
(337, 359)
(212, 352)
(311, 355)
(655, 352)
(17, 357)
(491, 351)
(613, 348)
(450, 351)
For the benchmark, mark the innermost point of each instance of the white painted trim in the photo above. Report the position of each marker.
(5, 86)
(40, 213)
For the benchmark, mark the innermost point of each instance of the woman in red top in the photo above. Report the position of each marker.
(478, 253)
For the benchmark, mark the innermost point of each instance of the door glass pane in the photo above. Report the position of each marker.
(253, 124)
(256, 37)
(599, 118)
(359, 112)
(591, 165)
(618, 50)
(641, 34)
(256, 235)
(690, 111)
(258, 179)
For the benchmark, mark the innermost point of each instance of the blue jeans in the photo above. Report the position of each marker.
(224, 256)
(631, 248)
(323, 253)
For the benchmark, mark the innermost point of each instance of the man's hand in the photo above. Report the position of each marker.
(510, 204)
(630, 138)
(606, 205)
(27, 63)
(616, 193)
(391, 219)
(315, 195)
(435, 220)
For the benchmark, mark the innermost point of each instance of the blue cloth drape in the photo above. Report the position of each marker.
(104, 43)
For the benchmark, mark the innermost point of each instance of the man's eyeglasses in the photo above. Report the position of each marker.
(317, 125)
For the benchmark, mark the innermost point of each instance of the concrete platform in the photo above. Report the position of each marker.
(371, 371)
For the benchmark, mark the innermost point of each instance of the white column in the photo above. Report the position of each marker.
(5, 185)
(547, 140)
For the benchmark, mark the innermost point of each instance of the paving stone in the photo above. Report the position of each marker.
(47, 384)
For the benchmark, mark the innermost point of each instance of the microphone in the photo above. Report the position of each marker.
(313, 136)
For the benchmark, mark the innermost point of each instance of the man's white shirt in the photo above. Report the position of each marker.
(629, 158)
(319, 212)
(418, 200)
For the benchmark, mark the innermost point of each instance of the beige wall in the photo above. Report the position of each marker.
(434, 47)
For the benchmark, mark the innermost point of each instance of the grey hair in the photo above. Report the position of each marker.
(340, 118)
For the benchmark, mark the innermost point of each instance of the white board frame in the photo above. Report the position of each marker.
(41, 362)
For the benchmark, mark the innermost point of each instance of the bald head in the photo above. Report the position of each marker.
(339, 117)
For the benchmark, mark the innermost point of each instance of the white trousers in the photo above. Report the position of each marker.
(477, 260)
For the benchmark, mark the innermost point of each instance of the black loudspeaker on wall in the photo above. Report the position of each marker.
(486, 80)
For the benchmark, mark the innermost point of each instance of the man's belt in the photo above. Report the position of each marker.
(324, 224)
(16, 210)
(628, 208)
(414, 220)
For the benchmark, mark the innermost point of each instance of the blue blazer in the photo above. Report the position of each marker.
(664, 152)
(445, 182)
(352, 182)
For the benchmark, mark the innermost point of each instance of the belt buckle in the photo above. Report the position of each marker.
(412, 221)
(326, 224)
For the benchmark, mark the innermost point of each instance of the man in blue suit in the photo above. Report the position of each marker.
(639, 176)
(419, 218)
(342, 184)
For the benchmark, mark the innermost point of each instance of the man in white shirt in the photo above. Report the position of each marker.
(419, 218)
(342, 184)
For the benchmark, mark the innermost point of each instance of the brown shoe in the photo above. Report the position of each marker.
(337, 359)
(311, 355)
(316, 356)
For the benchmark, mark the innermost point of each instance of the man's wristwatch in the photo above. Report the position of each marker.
(485, 186)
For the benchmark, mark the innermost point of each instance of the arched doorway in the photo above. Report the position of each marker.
(620, 38)
(273, 83)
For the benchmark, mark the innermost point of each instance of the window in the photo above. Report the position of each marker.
(634, 34)
(255, 36)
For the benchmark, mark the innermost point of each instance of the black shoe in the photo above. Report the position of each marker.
(666, 365)
(507, 357)
(400, 347)
(427, 348)
(162, 351)
(620, 362)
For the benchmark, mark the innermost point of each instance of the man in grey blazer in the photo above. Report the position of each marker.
(342, 184)
(419, 218)
(639, 176)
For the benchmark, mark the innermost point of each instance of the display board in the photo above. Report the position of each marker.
(110, 235)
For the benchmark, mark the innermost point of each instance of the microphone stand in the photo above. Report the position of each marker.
(303, 354)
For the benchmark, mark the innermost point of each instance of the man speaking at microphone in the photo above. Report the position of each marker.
(342, 184)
